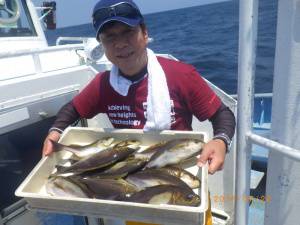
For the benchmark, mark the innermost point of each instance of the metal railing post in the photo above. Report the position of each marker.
(246, 69)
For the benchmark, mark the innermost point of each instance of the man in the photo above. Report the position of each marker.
(120, 27)
(156, 93)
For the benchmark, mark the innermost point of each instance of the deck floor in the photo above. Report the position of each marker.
(257, 206)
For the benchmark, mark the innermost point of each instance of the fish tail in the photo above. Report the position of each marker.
(57, 146)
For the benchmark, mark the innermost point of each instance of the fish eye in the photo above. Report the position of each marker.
(190, 196)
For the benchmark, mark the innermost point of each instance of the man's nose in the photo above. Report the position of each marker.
(121, 41)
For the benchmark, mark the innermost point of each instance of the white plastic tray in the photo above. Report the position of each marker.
(33, 187)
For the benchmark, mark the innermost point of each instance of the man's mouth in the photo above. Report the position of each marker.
(125, 55)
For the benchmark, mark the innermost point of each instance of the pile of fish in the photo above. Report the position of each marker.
(117, 170)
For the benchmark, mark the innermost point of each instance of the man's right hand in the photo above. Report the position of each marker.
(48, 148)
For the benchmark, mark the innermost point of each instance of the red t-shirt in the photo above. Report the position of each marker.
(190, 95)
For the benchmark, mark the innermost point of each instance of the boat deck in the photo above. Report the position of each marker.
(258, 176)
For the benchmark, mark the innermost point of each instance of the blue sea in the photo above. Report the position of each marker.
(206, 37)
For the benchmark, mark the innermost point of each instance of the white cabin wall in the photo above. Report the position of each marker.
(283, 178)
(221, 184)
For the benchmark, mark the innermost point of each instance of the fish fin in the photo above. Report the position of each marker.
(72, 161)
(78, 146)
(53, 176)
(57, 146)
(60, 169)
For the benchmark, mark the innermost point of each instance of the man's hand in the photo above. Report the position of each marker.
(48, 148)
(214, 152)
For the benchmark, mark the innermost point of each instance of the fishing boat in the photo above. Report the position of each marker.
(259, 183)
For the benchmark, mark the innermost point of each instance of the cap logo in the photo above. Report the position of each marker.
(112, 11)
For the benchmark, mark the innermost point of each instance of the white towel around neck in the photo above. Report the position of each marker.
(158, 99)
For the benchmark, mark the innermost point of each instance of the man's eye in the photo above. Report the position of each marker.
(109, 38)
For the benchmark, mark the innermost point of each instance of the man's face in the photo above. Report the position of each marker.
(125, 47)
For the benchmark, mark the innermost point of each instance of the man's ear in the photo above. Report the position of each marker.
(145, 32)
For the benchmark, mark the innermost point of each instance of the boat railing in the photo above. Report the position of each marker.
(60, 40)
(16, 53)
(245, 138)
(256, 95)
(36, 54)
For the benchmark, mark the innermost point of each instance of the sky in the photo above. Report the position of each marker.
(76, 12)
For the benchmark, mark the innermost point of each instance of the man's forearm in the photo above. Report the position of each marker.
(66, 116)
(223, 122)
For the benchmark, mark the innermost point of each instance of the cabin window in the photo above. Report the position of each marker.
(15, 19)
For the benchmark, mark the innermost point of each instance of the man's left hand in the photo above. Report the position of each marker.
(214, 152)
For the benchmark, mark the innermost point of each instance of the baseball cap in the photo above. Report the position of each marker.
(116, 10)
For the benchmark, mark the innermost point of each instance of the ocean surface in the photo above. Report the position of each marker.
(206, 37)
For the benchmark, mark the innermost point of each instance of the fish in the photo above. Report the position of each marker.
(108, 189)
(125, 143)
(148, 152)
(86, 150)
(101, 159)
(105, 142)
(76, 186)
(65, 187)
(66, 162)
(187, 177)
(152, 177)
(165, 194)
(174, 152)
(121, 169)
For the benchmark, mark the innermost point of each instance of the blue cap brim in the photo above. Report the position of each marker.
(129, 22)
